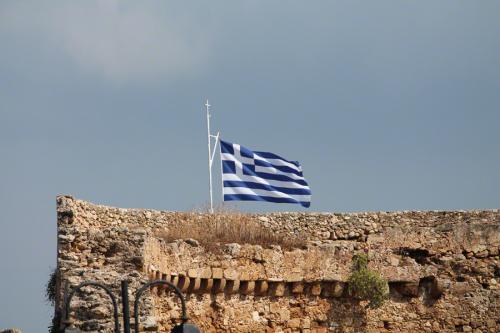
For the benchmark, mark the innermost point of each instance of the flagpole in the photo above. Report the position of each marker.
(209, 157)
(221, 173)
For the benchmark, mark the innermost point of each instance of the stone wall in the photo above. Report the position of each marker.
(443, 271)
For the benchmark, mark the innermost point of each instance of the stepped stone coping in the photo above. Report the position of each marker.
(189, 282)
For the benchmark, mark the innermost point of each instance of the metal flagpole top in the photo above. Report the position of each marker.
(208, 107)
(211, 154)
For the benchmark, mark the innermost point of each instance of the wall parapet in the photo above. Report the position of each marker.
(439, 265)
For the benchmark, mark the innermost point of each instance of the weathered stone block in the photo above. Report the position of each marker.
(233, 286)
(195, 285)
(231, 274)
(261, 287)
(294, 323)
(277, 289)
(297, 287)
(247, 287)
(217, 273)
(338, 289)
(205, 273)
(316, 289)
(183, 283)
(192, 273)
(219, 285)
(206, 285)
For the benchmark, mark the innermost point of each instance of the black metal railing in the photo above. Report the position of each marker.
(184, 326)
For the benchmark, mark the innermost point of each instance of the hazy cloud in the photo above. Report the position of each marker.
(118, 40)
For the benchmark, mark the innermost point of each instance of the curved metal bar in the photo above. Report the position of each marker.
(139, 293)
(94, 284)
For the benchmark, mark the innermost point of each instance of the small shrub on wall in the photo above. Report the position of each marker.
(50, 296)
(365, 284)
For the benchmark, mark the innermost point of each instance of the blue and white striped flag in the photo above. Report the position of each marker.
(259, 176)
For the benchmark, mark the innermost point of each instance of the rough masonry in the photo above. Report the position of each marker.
(442, 267)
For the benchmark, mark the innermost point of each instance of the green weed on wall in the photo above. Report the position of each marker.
(365, 284)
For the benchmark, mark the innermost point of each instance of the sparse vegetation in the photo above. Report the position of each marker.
(224, 227)
(50, 287)
(54, 326)
(366, 284)
(50, 296)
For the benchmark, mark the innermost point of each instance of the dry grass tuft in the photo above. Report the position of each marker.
(224, 227)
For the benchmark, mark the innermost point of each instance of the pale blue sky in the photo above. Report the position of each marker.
(388, 105)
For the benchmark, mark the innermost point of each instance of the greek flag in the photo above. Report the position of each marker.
(259, 176)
